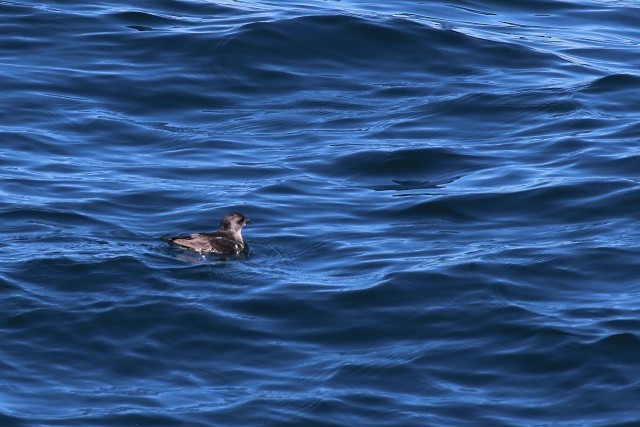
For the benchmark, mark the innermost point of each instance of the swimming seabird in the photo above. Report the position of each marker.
(226, 241)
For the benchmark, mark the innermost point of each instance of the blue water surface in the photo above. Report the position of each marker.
(444, 200)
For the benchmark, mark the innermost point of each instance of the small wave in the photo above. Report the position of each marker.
(614, 83)
(562, 201)
(403, 163)
(327, 44)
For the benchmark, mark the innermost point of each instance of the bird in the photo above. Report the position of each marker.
(226, 241)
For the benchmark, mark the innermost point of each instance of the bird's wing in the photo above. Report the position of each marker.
(222, 244)
(209, 242)
(191, 242)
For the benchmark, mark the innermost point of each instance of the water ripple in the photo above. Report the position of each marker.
(443, 200)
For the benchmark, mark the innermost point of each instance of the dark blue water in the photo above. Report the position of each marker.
(444, 200)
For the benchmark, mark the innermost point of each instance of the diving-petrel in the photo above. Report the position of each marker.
(226, 241)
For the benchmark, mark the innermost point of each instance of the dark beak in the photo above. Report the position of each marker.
(247, 221)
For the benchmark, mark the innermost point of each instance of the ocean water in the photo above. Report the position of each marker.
(444, 200)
